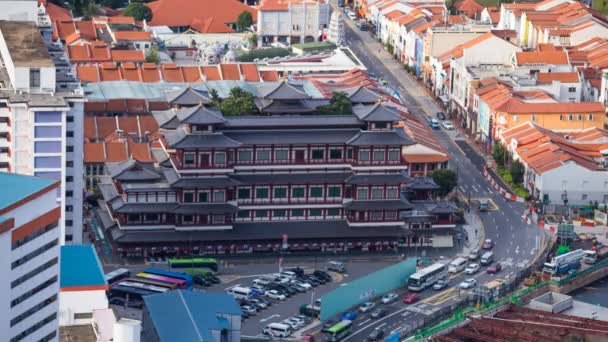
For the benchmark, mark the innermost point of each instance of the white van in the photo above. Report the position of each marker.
(487, 258)
(239, 292)
(261, 282)
(457, 265)
(277, 330)
(289, 274)
(336, 266)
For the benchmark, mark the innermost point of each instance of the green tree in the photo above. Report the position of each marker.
(240, 102)
(77, 7)
(89, 11)
(152, 56)
(516, 169)
(253, 40)
(113, 3)
(244, 21)
(390, 48)
(139, 11)
(446, 179)
(338, 104)
(500, 154)
(216, 100)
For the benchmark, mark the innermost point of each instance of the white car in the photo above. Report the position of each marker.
(448, 125)
(282, 280)
(468, 283)
(274, 294)
(389, 298)
(351, 15)
(365, 307)
(294, 323)
(471, 269)
(302, 284)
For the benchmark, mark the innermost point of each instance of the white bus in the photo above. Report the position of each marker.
(457, 265)
(143, 286)
(427, 277)
(117, 275)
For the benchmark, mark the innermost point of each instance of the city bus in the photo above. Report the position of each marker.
(180, 283)
(168, 285)
(129, 293)
(176, 275)
(117, 275)
(209, 263)
(427, 277)
(153, 288)
(339, 330)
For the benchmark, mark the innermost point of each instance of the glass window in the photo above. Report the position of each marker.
(189, 158)
(318, 154)
(48, 174)
(281, 154)
(377, 193)
(219, 196)
(393, 155)
(187, 219)
(47, 162)
(381, 125)
(378, 155)
(34, 78)
(261, 193)
(279, 213)
(590, 117)
(261, 213)
(244, 194)
(333, 212)
(263, 155)
(45, 117)
(390, 215)
(243, 214)
(151, 217)
(335, 153)
(349, 153)
(334, 191)
(280, 192)
(580, 117)
(188, 197)
(392, 193)
(297, 213)
(316, 191)
(220, 157)
(244, 155)
(570, 117)
(298, 192)
(315, 213)
(362, 193)
(47, 131)
(364, 155)
(376, 215)
(203, 196)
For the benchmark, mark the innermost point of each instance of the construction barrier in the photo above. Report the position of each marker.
(504, 193)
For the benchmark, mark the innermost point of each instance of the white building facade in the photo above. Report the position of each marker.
(292, 22)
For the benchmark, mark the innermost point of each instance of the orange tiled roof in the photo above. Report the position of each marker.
(542, 57)
(230, 71)
(458, 51)
(564, 77)
(470, 8)
(494, 13)
(250, 72)
(137, 56)
(269, 76)
(132, 35)
(185, 12)
(516, 106)
(211, 73)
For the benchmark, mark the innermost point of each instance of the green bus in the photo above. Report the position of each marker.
(209, 263)
(339, 330)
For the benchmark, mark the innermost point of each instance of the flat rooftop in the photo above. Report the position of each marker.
(25, 44)
(80, 267)
(16, 188)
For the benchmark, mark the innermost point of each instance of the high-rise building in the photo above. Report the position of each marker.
(41, 113)
(29, 245)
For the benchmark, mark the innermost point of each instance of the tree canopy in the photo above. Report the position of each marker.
(338, 104)
(244, 21)
(500, 154)
(152, 56)
(446, 179)
(516, 169)
(240, 102)
(139, 11)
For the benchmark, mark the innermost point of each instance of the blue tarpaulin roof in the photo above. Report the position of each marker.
(189, 316)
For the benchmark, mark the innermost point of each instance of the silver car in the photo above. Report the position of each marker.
(389, 298)
(365, 307)
(468, 283)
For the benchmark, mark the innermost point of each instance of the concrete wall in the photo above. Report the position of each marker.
(21, 10)
(576, 180)
(74, 302)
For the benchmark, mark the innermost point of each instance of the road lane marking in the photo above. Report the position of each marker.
(367, 320)
(476, 190)
(371, 324)
(381, 325)
(231, 286)
(394, 331)
(461, 188)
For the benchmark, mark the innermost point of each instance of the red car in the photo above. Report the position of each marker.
(307, 338)
(411, 298)
(494, 269)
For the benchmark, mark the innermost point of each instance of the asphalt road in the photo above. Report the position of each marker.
(516, 241)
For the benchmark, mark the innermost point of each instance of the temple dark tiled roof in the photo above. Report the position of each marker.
(423, 183)
(396, 204)
(376, 113)
(182, 139)
(388, 179)
(200, 115)
(391, 138)
(187, 97)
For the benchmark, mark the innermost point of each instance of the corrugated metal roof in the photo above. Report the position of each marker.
(80, 267)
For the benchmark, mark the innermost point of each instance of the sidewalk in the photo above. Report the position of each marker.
(475, 231)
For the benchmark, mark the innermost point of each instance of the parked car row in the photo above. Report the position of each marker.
(205, 280)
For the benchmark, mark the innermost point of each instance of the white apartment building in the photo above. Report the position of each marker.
(41, 117)
(292, 22)
(29, 243)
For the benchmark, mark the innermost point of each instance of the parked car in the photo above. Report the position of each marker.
(468, 283)
(376, 335)
(367, 306)
(305, 285)
(322, 274)
(274, 294)
(351, 15)
(389, 298)
(307, 338)
(448, 125)
(297, 270)
(378, 313)
(471, 269)
(257, 302)
(348, 316)
(200, 281)
(440, 115)
(212, 278)
(411, 298)
(440, 284)
(249, 309)
(494, 269)
(265, 300)
(295, 324)
(488, 244)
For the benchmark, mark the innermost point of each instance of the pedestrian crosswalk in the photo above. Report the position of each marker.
(522, 263)
(507, 262)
